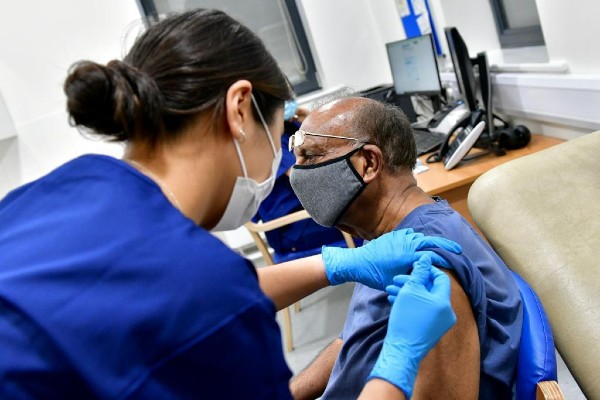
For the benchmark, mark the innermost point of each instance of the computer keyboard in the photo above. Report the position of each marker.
(427, 141)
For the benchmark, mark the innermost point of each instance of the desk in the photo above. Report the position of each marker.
(454, 185)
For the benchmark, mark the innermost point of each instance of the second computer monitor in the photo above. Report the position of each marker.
(462, 67)
(414, 66)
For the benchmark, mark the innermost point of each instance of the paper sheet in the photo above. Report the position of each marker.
(403, 9)
(423, 23)
(420, 167)
(419, 6)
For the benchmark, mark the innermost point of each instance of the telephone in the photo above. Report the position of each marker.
(465, 135)
(446, 120)
(461, 145)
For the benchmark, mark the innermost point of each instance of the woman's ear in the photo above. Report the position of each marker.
(238, 108)
(372, 162)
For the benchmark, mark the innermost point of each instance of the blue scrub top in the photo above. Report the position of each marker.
(108, 291)
(483, 276)
(300, 236)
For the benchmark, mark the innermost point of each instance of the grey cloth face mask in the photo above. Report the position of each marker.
(326, 190)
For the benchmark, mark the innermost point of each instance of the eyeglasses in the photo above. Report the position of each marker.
(297, 139)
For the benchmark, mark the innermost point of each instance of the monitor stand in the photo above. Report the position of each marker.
(488, 140)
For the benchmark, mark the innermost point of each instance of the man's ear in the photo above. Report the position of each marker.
(238, 108)
(372, 160)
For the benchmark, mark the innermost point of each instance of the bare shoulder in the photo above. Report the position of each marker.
(452, 367)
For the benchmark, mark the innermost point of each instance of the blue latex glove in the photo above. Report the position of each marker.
(419, 318)
(376, 263)
(289, 109)
(399, 282)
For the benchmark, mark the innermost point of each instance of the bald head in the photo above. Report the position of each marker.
(337, 116)
(371, 121)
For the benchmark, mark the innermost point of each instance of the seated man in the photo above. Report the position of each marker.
(356, 174)
(301, 238)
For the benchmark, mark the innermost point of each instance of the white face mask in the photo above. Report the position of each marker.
(247, 193)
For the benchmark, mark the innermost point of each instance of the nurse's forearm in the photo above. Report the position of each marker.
(292, 281)
(381, 390)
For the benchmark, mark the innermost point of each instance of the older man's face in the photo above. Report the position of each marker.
(327, 177)
(332, 119)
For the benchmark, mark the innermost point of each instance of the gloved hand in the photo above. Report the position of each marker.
(419, 318)
(290, 107)
(376, 263)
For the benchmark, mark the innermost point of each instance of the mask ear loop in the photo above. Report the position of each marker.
(241, 158)
(267, 131)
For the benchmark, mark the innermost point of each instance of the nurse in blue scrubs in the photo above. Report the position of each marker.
(111, 285)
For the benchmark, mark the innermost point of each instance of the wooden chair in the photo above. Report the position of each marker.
(255, 230)
(541, 213)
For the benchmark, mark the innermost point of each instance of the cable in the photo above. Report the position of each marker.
(506, 124)
(433, 158)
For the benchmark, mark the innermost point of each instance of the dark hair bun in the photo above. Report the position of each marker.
(116, 100)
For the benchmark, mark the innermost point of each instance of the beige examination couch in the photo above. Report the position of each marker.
(541, 213)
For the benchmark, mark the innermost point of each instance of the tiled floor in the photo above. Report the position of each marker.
(322, 318)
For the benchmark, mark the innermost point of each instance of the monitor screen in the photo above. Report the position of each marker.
(414, 66)
(462, 67)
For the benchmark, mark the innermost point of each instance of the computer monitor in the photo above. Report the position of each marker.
(462, 67)
(414, 66)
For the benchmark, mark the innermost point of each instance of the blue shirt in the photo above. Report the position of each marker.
(107, 291)
(301, 236)
(489, 286)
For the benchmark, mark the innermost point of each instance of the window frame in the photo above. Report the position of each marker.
(515, 37)
(311, 82)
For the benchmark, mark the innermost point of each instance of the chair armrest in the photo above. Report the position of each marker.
(348, 239)
(255, 228)
(549, 390)
(278, 222)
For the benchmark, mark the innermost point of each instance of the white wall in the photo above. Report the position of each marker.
(349, 39)
(473, 18)
(39, 41)
(572, 31)
(7, 128)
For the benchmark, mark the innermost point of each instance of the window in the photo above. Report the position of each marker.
(518, 23)
(276, 22)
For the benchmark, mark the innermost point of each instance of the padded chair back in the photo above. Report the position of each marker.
(541, 213)
(537, 360)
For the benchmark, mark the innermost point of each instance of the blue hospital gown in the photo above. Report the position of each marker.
(485, 279)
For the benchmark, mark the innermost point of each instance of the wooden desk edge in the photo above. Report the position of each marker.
(437, 180)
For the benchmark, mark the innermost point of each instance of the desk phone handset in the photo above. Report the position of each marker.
(460, 146)
(465, 135)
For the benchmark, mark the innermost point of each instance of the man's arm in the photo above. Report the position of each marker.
(452, 367)
(312, 381)
(381, 390)
(421, 314)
